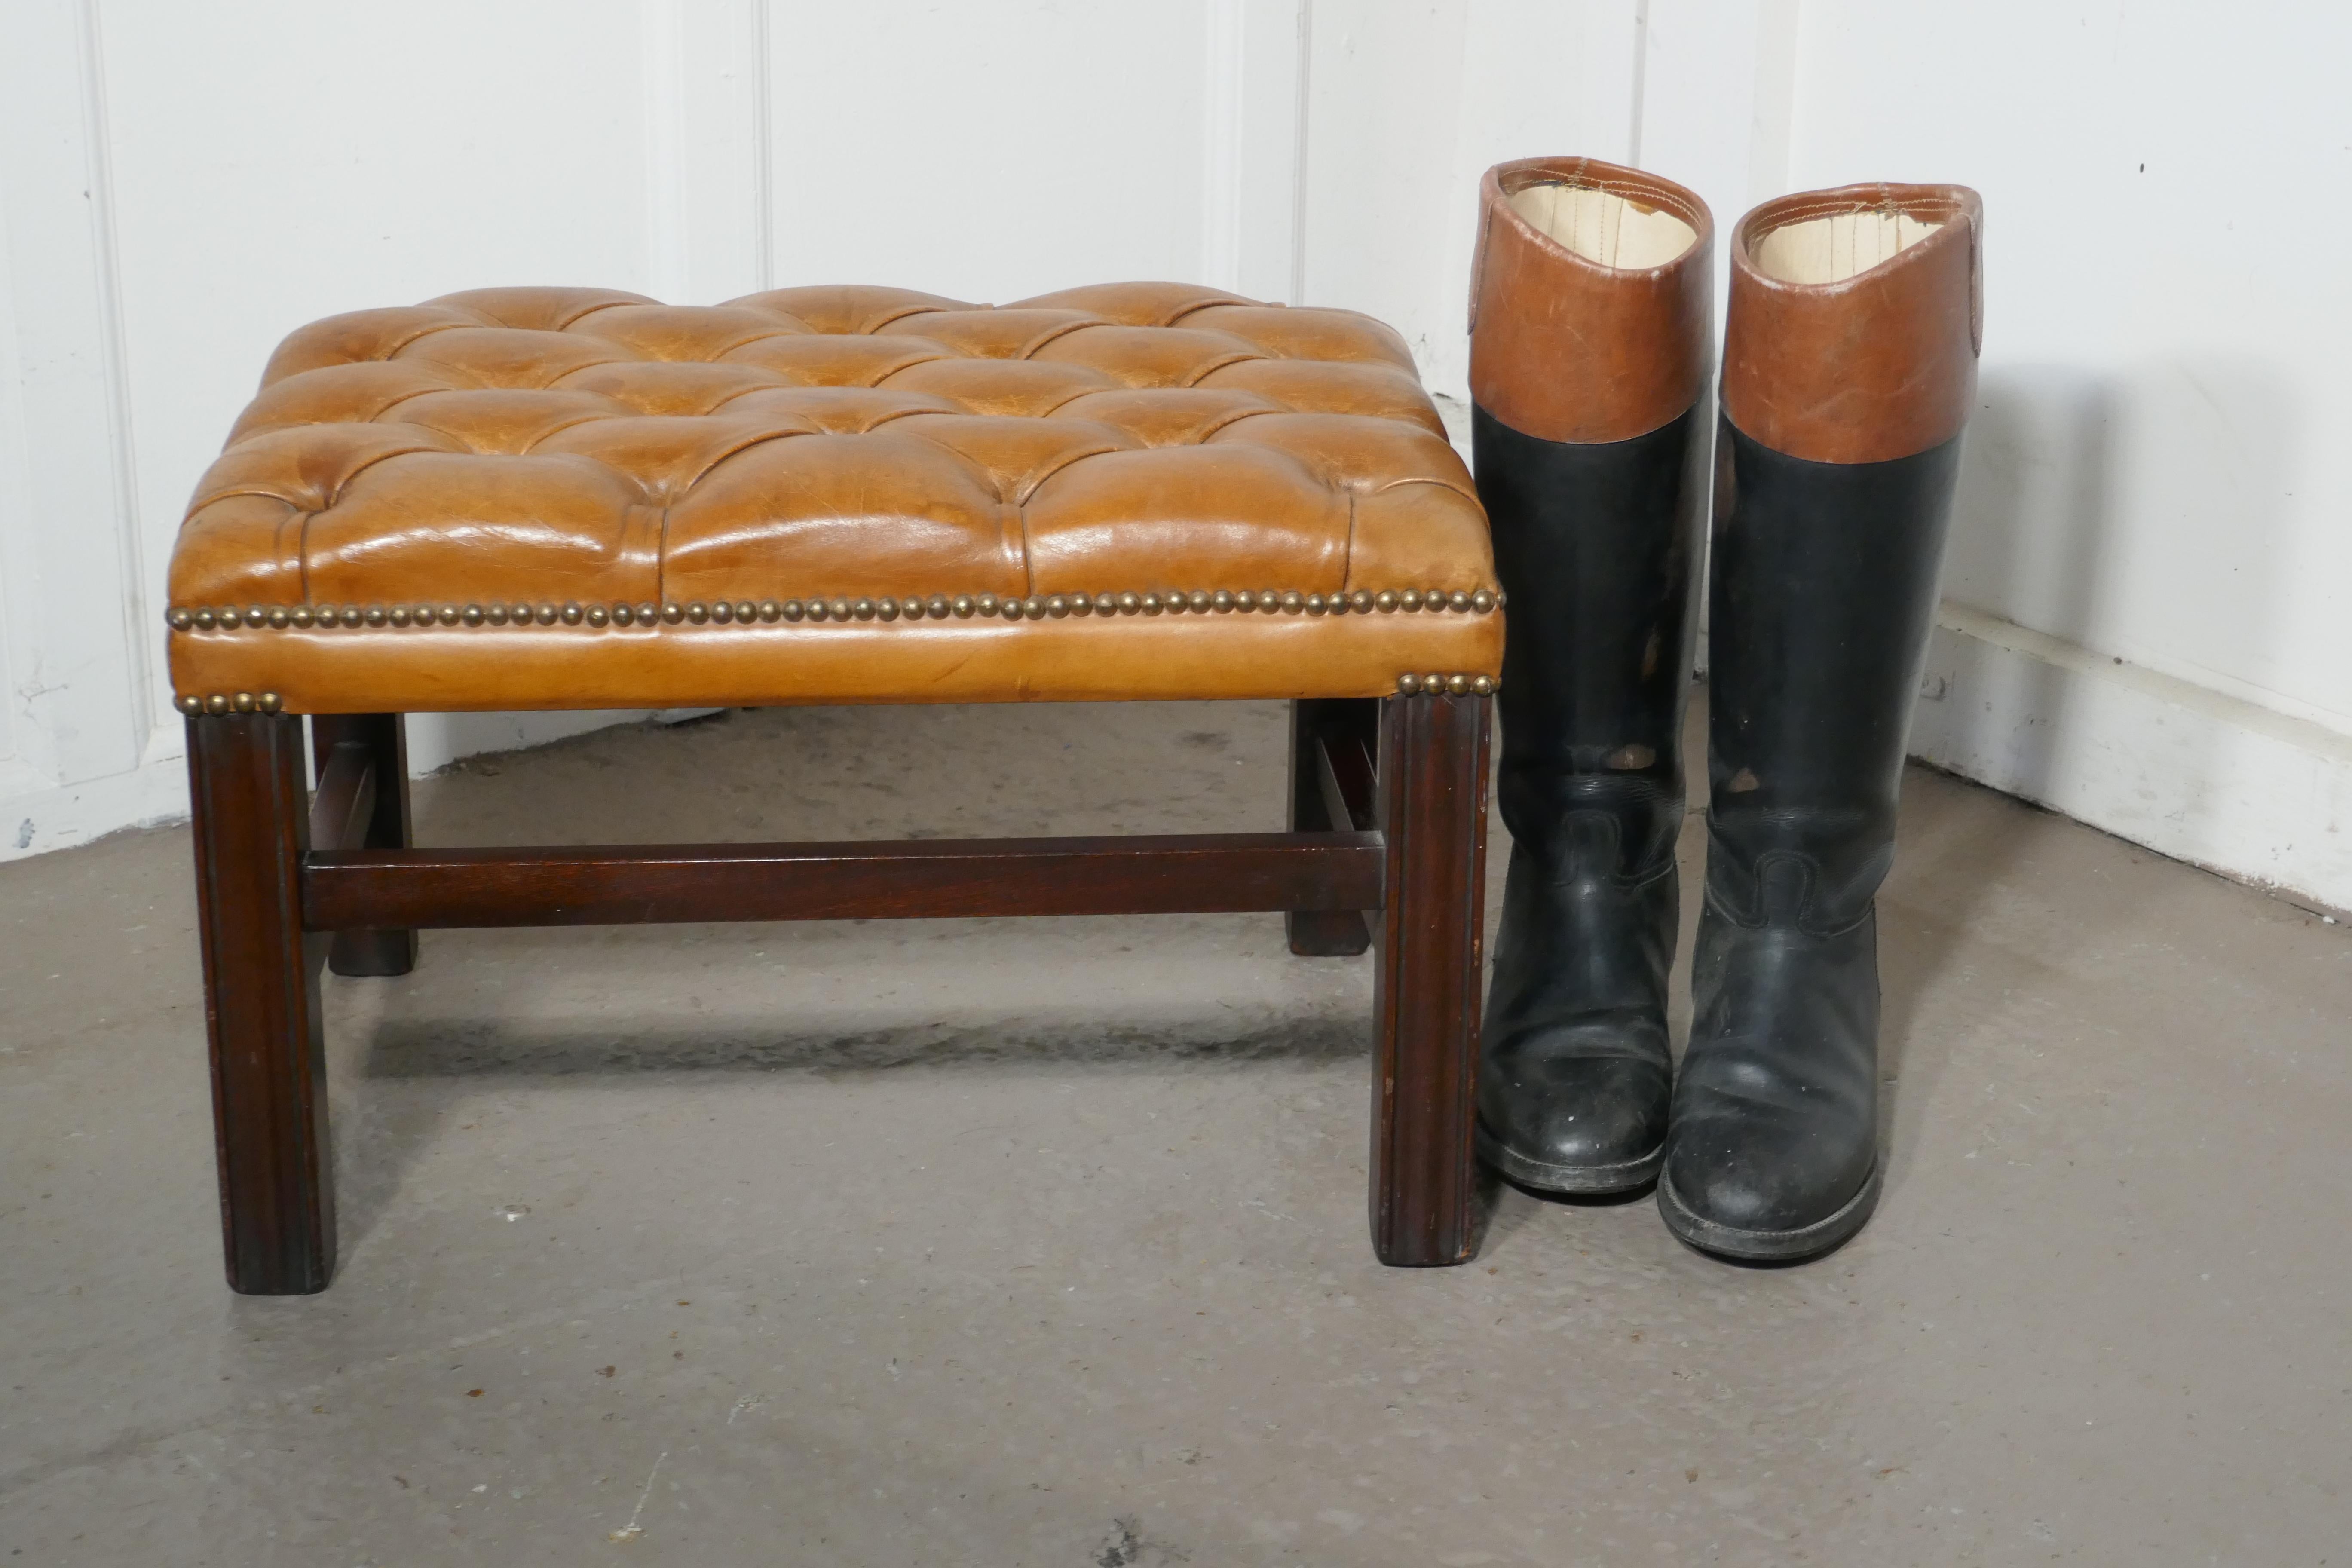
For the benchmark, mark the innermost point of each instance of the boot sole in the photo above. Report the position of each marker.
(1571, 1180)
(1768, 1246)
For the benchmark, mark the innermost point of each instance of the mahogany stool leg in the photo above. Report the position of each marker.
(261, 1002)
(386, 736)
(1338, 722)
(1433, 809)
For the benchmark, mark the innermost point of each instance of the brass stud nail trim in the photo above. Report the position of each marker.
(913, 607)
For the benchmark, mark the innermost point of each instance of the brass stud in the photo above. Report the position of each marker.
(1385, 601)
(722, 612)
(624, 614)
(1080, 605)
(941, 606)
(1502, 600)
(1149, 604)
(397, 614)
(1337, 605)
(886, 608)
(268, 702)
(1129, 603)
(771, 611)
(495, 613)
(178, 619)
(1484, 685)
(1293, 602)
(697, 612)
(303, 616)
(279, 617)
(1457, 601)
(648, 614)
(205, 618)
(1200, 599)
(451, 615)
(189, 704)
(1012, 609)
(1245, 601)
(1458, 684)
(374, 615)
(673, 613)
(1432, 683)
(843, 609)
(1360, 601)
(1409, 600)
(819, 610)
(963, 605)
(1432, 598)
(985, 604)
(1106, 604)
(1222, 601)
(794, 609)
(1314, 603)
(746, 612)
(572, 615)
(1408, 683)
(598, 614)
(353, 616)
(1033, 607)
(229, 616)
(913, 607)
(216, 704)
(1482, 601)
(242, 703)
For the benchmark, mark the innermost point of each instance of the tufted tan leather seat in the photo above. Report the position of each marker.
(577, 498)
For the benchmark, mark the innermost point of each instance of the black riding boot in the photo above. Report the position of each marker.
(1587, 351)
(1849, 368)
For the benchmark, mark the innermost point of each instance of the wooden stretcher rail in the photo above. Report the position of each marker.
(623, 885)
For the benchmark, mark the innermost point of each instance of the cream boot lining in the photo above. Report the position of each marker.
(1841, 246)
(1603, 227)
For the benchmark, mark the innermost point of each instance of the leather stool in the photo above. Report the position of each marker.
(521, 498)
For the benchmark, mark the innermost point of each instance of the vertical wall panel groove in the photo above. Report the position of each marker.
(147, 720)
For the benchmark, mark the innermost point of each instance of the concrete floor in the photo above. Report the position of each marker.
(1042, 1242)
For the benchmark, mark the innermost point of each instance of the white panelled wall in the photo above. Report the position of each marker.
(2149, 566)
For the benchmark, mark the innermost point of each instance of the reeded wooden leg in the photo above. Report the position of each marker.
(363, 953)
(261, 1003)
(1349, 727)
(1432, 808)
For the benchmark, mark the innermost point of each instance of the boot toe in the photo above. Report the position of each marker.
(1569, 1119)
(1741, 1190)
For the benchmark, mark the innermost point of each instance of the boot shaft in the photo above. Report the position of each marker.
(1588, 346)
(1849, 368)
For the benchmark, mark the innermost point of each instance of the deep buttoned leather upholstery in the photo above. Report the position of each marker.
(576, 498)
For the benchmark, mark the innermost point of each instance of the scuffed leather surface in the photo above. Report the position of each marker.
(1874, 367)
(1824, 585)
(1598, 545)
(580, 447)
(1566, 350)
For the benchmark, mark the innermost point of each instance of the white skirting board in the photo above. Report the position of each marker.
(2186, 771)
